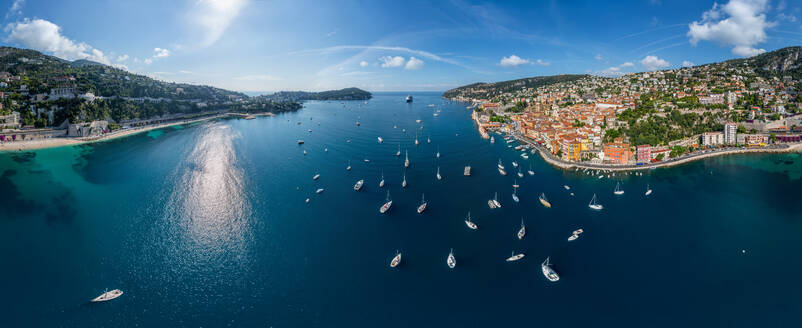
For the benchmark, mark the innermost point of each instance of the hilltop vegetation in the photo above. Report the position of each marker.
(490, 90)
(342, 94)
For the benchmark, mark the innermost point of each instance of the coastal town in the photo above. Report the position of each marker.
(649, 118)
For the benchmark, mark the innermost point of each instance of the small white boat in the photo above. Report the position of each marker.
(544, 201)
(317, 176)
(439, 177)
(358, 185)
(300, 141)
(319, 191)
(467, 171)
(594, 204)
(307, 200)
(304, 151)
(429, 139)
(575, 235)
(451, 260)
(515, 184)
(501, 171)
(492, 140)
(470, 223)
(417, 121)
(422, 206)
(416, 139)
(520, 175)
(548, 272)
(367, 160)
(514, 164)
(380, 139)
(388, 203)
(618, 190)
(310, 130)
(348, 168)
(381, 182)
(406, 160)
(500, 166)
(522, 231)
(108, 295)
(515, 195)
(515, 257)
(566, 187)
(404, 181)
(398, 153)
(530, 170)
(396, 260)
(438, 152)
(524, 156)
(648, 190)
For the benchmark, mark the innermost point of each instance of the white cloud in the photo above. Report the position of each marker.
(686, 63)
(42, 35)
(161, 53)
(185, 72)
(652, 63)
(598, 57)
(148, 61)
(615, 70)
(414, 63)
(363, 64)
(122, 58)
(513, 61)
(213, 17)
(739, 23)
(16, 8)
(390, 61)
(542, 63)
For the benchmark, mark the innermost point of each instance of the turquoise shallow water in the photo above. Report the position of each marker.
(206, 225)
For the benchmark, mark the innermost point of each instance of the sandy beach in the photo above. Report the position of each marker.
(68, 141)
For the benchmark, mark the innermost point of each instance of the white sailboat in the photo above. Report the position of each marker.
(438, 152)
(319, 191)
(566, 187)
(515, 257)
(514, 164)
(544, 201)
(317, 176)
(522, 231)
(467, 171)
(439, 177)
(404, 181)
(500, 166)
(530, 170)
(416, 139)
(381, 182)
(396, 260)
(515, 184)
(348, 168)
(108, 295)
(648, 190)
(548, 272)
(398, 153)
(520, 175)
(595, 205)
(470, 223)
(515, 195)
(406, 160)
(429, 139)
(451, 260)
(495, 201)
(380, 139)
(422, 206)
(387, 204)
(492, 140)
(618, 190)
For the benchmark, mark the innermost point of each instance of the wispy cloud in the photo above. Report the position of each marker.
(213, 17)
(615, 70)
(16, 8)
(414, 64)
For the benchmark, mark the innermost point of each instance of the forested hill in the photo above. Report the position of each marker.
(488, 90)
(342, 94)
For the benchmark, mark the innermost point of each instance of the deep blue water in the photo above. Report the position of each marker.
(206, 225)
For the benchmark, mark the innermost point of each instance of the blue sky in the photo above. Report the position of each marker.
(264, 45)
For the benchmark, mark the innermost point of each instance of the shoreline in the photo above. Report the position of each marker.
(18, 146)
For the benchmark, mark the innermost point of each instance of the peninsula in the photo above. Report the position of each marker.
(649, 119)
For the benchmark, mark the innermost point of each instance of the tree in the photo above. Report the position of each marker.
(660, 156)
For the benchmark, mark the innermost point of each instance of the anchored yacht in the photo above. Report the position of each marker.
(575, 235)
(358, 185)
(618, 190)
(396, 260)
(470, 223)
(522, 231)
(451, 260)
(515, 257)
(422, 206)
(594, 204)
(108, 295)
(388, 203)
(548, 272)
(648, 190)
(544, 201)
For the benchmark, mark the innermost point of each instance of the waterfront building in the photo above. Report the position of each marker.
(574, 151)
(617, 152)
(730, 130)
(712, 139)
(644, 153)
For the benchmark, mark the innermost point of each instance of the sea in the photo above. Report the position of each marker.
(208, 225)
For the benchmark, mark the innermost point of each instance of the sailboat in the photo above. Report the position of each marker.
(317, 176)
(548, 272)
(380, 139)
(358, 185)
(501, 171)
(467, 171)
(429, 139)
(515, 195)
(398, 153)
(618, 190)
(495, 201)
(544, 201)
(108, 296)
(520, 175)
(416, 139)
(530, 170)
(470, 223)
(648, 190)
(438, 174)
(388, 203)
(522, 231)
(438, 152)
(566, 187)
(451, 260)
(406, 161)
(319, 191)
(348, 168)
(515, 257)
(396, 260)
(500, 166)
(381, 182)
(404, 181)
(595, 205)
(514, 164)
(515, 184)
(422, 206)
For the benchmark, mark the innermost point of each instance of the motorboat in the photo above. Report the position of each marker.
(451, 260)
(358, 185)
(396, 260)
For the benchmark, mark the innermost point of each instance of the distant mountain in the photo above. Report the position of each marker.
(84, 63)
(488, 90)
(342, 94)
